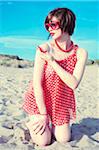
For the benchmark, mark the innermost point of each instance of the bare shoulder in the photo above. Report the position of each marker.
(43, 47)
(82, 54)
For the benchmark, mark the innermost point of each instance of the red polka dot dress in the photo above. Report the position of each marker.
(59, 97)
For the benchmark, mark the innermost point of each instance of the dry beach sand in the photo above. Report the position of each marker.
(14, 135)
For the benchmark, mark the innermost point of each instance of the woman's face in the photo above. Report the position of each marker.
(54, 28)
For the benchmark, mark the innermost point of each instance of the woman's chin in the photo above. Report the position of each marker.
(56, 37)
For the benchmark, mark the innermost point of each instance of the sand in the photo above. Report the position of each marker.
(14, 134)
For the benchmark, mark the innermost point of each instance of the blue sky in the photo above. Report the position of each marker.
(22, 24)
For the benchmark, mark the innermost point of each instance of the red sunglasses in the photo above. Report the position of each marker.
(52, 25)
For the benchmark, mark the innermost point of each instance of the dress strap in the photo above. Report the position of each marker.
(75, 48)
(41, 49)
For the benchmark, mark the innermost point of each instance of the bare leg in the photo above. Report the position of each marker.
(38, 139)
(62, 133)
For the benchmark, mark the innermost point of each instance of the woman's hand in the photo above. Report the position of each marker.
(38, 127)
(47, 57)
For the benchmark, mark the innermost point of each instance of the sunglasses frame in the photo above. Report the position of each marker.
(57, 25)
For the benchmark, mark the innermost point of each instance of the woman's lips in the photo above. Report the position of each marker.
(52, 34)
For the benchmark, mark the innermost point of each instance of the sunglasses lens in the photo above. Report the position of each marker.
(53, 25)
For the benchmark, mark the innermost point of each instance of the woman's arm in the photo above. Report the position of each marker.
(72, 80)
(37, 81)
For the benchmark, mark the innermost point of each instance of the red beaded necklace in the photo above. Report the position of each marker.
(66, 50)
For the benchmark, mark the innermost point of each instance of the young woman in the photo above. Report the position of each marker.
(58, 70)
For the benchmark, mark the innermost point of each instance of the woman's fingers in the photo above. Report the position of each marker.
(46, 56)
(37, 122)
(30, 123)
(35, 128)
(42, 130)
(32, 126)
(38, 129)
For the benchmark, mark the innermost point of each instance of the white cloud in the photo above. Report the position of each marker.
(20, 42)
(91, 46)
(30, 43)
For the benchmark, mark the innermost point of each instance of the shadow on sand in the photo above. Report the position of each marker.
(87, 126)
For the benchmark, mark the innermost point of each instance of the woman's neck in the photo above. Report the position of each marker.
(64, 41)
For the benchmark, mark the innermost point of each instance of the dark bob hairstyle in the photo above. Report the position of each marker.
(66, 18)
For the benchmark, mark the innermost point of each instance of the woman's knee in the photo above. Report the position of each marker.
(41, 140)
(63, 139)
(63, 133)
(44, 139)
